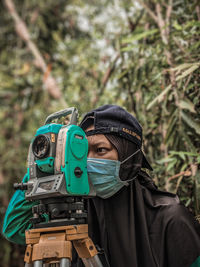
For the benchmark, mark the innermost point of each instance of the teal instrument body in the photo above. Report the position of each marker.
(49, 128)
(75, 162)
(57, 160)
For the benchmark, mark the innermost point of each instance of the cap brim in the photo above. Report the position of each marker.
(145, 163)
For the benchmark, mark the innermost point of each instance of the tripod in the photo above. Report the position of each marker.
(53, 242)
(51, 245)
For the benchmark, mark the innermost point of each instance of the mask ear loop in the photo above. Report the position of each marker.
(133, 178)
(122, 162)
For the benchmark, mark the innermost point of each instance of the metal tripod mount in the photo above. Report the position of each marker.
(53, 242)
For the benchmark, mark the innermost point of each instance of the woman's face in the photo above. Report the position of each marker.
(100, 147)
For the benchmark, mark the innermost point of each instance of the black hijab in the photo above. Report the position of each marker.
(141, 226)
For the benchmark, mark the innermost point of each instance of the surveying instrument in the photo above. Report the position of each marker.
(58, 182)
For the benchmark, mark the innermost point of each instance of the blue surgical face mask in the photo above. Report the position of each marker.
(104, 175)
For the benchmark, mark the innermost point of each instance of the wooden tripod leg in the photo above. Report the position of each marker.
(87, 252)
(85, 248)
(28, 256)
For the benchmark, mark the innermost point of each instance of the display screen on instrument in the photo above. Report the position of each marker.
(45, 186)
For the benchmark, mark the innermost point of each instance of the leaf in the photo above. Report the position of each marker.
(187, 25)
(190, 122)
(191, 24)
(165, 160)
(198, 160)
(187, 72)
(159, 97)
(182, 156)
(177, 26)
(187, 105)
(139, 36)
(156, 77)
(197, 192)
(184, 167)
(171, 164)
(127, 48)
(122, 74)
(187, 139)
(182, 66)
(184, 152)
(188, 202)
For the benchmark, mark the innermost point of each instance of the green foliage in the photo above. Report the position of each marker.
(105, 52)
(159, 74)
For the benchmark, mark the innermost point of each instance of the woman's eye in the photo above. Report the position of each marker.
(102, 149)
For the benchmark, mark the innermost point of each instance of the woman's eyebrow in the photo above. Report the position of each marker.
(98, 143)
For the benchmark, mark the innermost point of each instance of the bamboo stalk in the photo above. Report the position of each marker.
(49, 82)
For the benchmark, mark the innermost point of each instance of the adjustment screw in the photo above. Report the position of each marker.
(78, 172)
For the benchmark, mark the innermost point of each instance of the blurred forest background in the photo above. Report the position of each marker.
(143, 55)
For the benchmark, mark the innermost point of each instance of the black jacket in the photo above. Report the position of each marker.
(141, 226)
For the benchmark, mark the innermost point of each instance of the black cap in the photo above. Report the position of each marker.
(115, 120)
